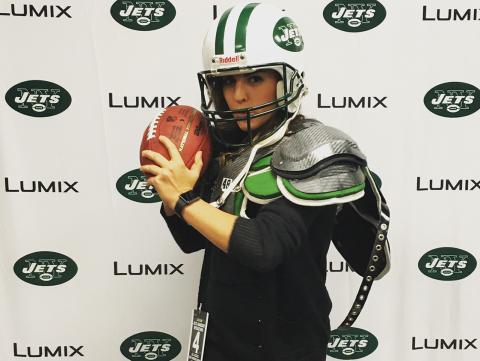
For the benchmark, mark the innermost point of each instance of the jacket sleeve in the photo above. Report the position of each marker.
(278, 230)
(188, 238)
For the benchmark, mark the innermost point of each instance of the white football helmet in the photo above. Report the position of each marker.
(244, 39)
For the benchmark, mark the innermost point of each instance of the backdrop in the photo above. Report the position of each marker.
(88, 269)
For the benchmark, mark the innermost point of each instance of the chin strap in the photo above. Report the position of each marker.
(275, 137)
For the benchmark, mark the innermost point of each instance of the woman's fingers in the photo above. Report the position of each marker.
(156, 158)
(172, 149)
(197, 165)
(151, 170)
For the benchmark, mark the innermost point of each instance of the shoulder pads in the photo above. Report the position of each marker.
(319, 165)
(313, 148)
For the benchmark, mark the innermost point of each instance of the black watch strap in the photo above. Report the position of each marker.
(184, 200)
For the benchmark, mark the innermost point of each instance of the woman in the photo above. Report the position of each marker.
(270, 200)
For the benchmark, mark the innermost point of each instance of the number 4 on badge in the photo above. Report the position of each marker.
(198, 331)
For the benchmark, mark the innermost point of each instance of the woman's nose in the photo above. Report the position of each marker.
(240, 93)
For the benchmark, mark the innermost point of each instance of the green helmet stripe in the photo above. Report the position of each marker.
(241, 31)
(221, 32)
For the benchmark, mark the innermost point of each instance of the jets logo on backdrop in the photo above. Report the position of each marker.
(150, 345)
(447, 264)
(354, 16)
(133, 185)
(351, 343)
(453, 99)
(143, 15)
(38, 98)
(287, 36)
(45, 268)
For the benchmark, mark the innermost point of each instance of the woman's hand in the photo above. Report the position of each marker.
(171, 177)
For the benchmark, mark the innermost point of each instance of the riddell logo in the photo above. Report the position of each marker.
(354, 16)
(351, 343)
(238, 59)
(150, 345)
(38, 98)
(453, 99)
(230, 59)
(143, 15)
(447, 264)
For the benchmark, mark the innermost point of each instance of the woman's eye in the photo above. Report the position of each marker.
(228, 80)
(255, 79)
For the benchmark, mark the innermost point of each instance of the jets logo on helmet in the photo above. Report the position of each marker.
(245, 39)
(287, 35)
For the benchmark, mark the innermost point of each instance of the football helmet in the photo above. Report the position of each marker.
(244, 39)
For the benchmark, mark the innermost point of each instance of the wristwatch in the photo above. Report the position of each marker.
(184, 200)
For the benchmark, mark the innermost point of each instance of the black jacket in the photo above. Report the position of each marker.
(266, 298)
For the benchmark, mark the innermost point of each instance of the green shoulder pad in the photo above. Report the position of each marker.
(260, 185)
(337, 183)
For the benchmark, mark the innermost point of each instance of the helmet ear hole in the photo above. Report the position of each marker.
(292, 107)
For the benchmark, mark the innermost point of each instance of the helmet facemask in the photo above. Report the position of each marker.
(223, 121)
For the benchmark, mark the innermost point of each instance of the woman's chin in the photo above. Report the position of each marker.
(242, 125)
(254, 123)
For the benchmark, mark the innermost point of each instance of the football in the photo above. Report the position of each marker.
(186, 128)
